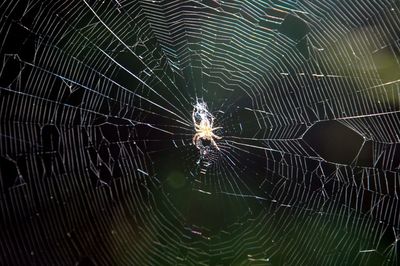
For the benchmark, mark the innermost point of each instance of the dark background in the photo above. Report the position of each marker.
(308, 168)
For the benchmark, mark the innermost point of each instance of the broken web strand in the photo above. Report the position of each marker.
(129, 73)
(147, 86)
(129, 49)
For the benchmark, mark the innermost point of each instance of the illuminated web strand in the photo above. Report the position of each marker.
(128, 71)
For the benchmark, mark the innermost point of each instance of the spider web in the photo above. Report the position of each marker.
(97, 161)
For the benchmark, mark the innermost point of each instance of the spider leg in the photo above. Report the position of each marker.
(215, 136)
(215, 144)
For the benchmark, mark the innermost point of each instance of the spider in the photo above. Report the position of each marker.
(204, 130)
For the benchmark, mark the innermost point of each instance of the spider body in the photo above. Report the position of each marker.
(204, 130)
